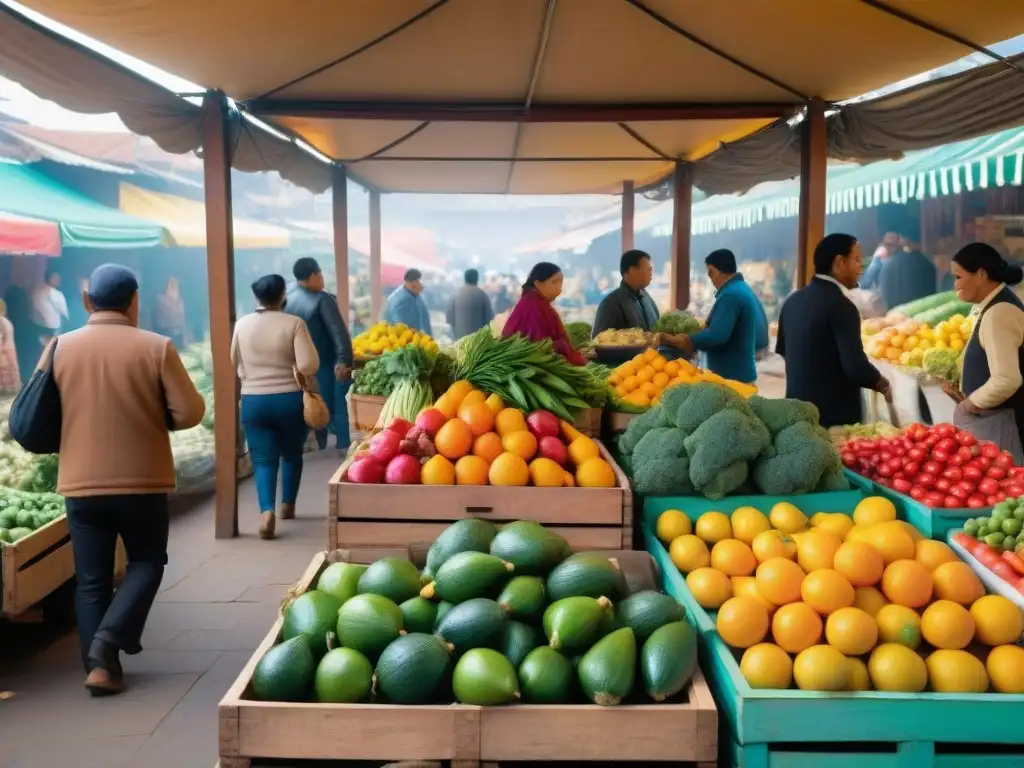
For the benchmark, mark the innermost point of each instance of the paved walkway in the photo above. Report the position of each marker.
(216, 604)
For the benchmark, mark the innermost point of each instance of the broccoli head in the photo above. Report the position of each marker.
(779, 414)
(729, 480)
(801, 460)
(833, 480)
(660, 463)
(655, 418)
(727, 437)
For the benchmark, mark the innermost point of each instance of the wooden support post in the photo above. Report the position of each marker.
(220, 270)
(628, 208)
(813, 173)
(376, 298)
(682, 202)
(339, 209)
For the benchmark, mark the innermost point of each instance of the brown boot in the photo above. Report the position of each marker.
(287, 511)
(267, 524)
(101, 683)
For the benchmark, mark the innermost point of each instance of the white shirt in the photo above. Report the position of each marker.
(48, 305)
(1001, 335)
(830, 279)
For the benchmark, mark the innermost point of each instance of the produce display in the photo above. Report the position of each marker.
(909, 342)
(528, 375)
(373, 379)
(22, 512)
(942, 364)
(622, 337)
(579, 334)
(842, 435)
(382, 337)
(640, 382)
(706, 439)
(198, 361)
(676, 322)
(1003, 531)
(834, 603)
(939, 466)
(409, 368)
(932, 309)
(496, 617)
(471, 438)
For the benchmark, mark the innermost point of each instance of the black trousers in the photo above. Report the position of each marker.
(95, 523)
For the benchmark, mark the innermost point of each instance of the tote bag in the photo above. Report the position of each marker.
(36, 416)
(314, 409)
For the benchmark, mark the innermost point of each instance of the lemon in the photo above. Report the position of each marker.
(766, 666)
(713, 527)
(671, 524)
(1005, 666)
(898, 624)
(710, 588)
(748, 523)
(821, 668)
(771, 544)
(869, 599)
(874, 510)
(836, 523)
(851, 631)
(746, 586)
(947, 625)
(860, 680)
(688, 553)
(896, 668)
(997, 621)
(955, 671)
(787, 518)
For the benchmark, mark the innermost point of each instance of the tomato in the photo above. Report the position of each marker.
(961, 491)
(996, 472)
(1016, 471)
(849, 460)
(940, 455)
(1000, 496)
(943, 484)
(917, 493)
(884, 482)
(916, 431)
(947, 444)
(933, 500)
(911, 468)
(917, 454)
(884, 471)
(972, 473)
(976, 502)
(1014, 490)
(901, 485)
(989, 486)
(953, 473)
(925, 480)
(1004, 460)
(965, 454)
(987, 556)
(932, 468)
(885, 456)
(1003, 570)
(952, 502)
(1014, 562)
(989, 450)
(966, 438)
(945, 430)
(964, 540)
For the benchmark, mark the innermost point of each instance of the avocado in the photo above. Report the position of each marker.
(530, 547)
(586, 574)
(573, 623)
(608, 670)
(520, 639)
(476, 623)
(469, 535)
(344, 676)
(341, 580)
(467, 575)
(412, 669)
(419, 615)
(442, 609)
(523, 598)
(285, 672)
(546, 676)
(485, 678)
(19, 533)
(367, 623)
(645, 611)
(5, 536)
(312, 614)
(668, 660)
(392, 577)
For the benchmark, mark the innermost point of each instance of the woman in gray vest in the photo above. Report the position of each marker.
(993, 386)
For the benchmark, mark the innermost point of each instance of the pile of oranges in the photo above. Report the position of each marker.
(642, 381)
(835, 603)
(481, 442)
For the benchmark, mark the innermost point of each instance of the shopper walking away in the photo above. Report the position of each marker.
(406, 305)
(470, 308)
(10, 374)
(819, 337)
(268, 347)
(121, 389)
(308, 300)
(169, 315)
(49, 307)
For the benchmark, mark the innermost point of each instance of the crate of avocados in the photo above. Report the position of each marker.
(364, 515)
(374, 635)
(363, 411)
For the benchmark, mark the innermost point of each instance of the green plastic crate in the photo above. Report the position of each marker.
(794, 729)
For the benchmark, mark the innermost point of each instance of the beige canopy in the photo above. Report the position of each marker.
(534, 96)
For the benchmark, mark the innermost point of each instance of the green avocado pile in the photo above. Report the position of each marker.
(497, 616)
(22, 512)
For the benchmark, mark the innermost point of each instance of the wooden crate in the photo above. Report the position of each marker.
(37, 565)
(362, 516)
(588, 421)
(465, 735)
(363, 411)
(616, 421)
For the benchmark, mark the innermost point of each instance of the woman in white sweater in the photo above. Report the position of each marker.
(267, 348)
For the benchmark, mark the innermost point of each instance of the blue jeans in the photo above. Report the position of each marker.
(334, 394)
(276, 434)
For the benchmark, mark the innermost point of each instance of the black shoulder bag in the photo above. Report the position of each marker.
(35, 418)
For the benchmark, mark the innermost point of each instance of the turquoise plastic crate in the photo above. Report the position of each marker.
(772, 728)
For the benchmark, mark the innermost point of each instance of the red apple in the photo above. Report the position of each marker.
(430, 421)
(365, 470)
(542, 424)
(403, 470)
(400, 426)
(554, 449)
(384, 446)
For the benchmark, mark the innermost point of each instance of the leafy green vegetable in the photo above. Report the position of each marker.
(677, 321)
(943, 364)
(579, 334)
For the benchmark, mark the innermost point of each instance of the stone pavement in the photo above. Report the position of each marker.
(217, 602)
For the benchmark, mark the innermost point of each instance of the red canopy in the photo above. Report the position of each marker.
(20, 236)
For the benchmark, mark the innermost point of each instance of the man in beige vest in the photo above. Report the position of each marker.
(121, 390)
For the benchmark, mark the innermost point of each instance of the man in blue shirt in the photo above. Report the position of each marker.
(737, 327)
(406, 304)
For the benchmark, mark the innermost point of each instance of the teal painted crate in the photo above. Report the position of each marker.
(770, 728)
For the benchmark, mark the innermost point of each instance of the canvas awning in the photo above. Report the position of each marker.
(83, 222)
(531, 96)
(20, 235)
(185, 220)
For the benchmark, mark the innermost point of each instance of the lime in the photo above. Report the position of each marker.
(1010, 543)
(343, 677)
(1019, 512)
(1011, 526)
(983, 530)
(995, 539)
(998, 515)
(971, 527)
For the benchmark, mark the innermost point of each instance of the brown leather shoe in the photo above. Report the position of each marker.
(287, 512)
(268, 522)
(101, 683)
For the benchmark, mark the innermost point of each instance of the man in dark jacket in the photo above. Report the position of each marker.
(629, 305)
(470, 308)
(908, 275)
(319, 309)
(819, 337)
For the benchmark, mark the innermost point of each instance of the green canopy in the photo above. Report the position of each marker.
(83, 222)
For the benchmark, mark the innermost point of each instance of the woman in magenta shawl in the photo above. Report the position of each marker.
(535, 318)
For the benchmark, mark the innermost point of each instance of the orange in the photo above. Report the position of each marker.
(851, 631)
(650, 389)
(437, 470)
(688, 553)
(471, 470)
(509, 420)
(816, 549)
(771, 544)
(630, 383)
(837, 524)
(931, 554)
(747, 523)
(446, 406)
(509, 469)
(869, 600)
(457, 392)
(661, 380)
(746, 586)
(742, 622)
(997, 621)
(478, 416)
(495, 403)
(672, 368)
(946, 624)
(454, 439)
(892, 542)
(488, 446)
(821, 668)
(954, 671)
(710, 588)
(733, 558)
(1005, 666)
(545, 473)
(899, 624)
(860, 563)
(672, 523)
(659, 363)
(860, 680)
(826, 591)
(474, 396)
(907, 582)
(787, 518)
(522, 444)
(895, 668)
(581, 449)
(568, 480)
(595, 473)
(796, 626)
(957, 582)
(766, 666)
(779, 580)
(645, 374)
(713, 527)
(873, 510)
